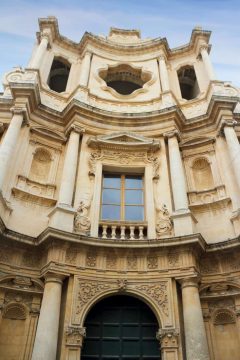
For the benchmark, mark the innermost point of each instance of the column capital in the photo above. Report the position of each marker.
(75, 128)
(162, 57)
(46, 35)
(226, 123)
(204, 47)
(75, 335)
(53, 277)
(18, 110)
(168, 338)
(87, 53)
(172, 133)
(190, 282)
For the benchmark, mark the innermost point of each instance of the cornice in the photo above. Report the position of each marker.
(142, 46)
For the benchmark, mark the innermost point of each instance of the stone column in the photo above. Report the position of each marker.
(45, 345)
(194, 330)
(62, 216)
(40, 52)
(70, 168)
(85, 69)
(177, 172)
(207, 62)
(9, 143)
(233, 147)
(184, 222)
(163, 73)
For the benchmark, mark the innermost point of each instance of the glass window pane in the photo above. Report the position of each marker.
(133, 182)
(134, 197)
(134, 213)
(112, 181)
(110, 212)
(111, 196)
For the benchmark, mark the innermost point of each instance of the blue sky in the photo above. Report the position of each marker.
(173, 19)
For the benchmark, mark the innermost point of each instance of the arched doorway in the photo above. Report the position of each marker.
(121, 327)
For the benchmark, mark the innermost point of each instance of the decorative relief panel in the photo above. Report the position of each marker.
(82, 220)
(209, 265)
(71, 255)
(91, 260)
(158, 292)
(152, 262)
(87, 290)
(132, 263)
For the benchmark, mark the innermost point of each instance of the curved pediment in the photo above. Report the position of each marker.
(197, 141)
(40, 130)
(124, 139)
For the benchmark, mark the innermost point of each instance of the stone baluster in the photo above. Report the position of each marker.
(41, 50)
(113, 230)
(163, 73)
(70, 168)
(195, 334)
(123, 232)
(207, 62)
(233, 147)
(132, 228)
(141, 232)
(9, 142)
(45, 345)
(85, 69)
(104, 232)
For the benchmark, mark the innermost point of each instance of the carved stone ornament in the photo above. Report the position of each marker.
(71, 255)
(152, 262)
(168, 338)
(122, 284)
(91, 260)
(158, 292)
(94, 157)
(81, 220)
(87, 290)
(75, 335)
(163, 224)
(153, 158)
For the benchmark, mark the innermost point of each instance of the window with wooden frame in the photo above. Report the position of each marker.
(122, 197)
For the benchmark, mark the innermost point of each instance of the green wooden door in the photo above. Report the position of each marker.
(121, 327)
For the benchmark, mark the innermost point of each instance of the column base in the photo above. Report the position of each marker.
(5, 208)
(62, 218)
(184, 222)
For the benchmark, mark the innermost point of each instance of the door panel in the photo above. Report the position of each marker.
(123, 328)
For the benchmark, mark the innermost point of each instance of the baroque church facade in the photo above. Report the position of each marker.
(119, 201)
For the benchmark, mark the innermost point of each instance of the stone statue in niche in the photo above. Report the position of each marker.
(82, 221)
(164, 223)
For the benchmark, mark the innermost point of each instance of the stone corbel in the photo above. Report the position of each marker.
(168, 338)
(75, 336)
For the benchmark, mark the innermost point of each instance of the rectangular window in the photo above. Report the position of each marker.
(122, 197)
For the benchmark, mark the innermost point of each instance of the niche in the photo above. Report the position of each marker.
(188, 82)
(59, 74)
(202, 175)
(13, 331)
(40, 166)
